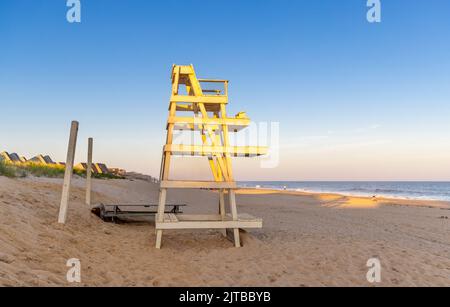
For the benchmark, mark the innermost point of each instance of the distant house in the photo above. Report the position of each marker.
(40, 159)
(97, 168)
(117, 171)
(48, 160)
(83, 167)
(101, 168)
(4, 156)
(14, 158)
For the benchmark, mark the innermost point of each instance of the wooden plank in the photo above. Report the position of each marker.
(208, 225)
(199, 217)
(172, 184)
(217, 172)
(89, 172)
(226, 143)
(244, 217)
(214, 142)
(212, 99)
(175, 80)
(234, 215)
(243, 122)
(160, 216)
(185, 69)
(222, 209)
(68, 173)
(213, 80)
(169, 139)
(170, 217)
(200, 150)
(192, 108)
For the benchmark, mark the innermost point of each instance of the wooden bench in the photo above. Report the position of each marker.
(114, 212)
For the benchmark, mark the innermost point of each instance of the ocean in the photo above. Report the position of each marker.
(392, 189)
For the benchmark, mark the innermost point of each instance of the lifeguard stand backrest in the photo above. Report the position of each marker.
(185, 75)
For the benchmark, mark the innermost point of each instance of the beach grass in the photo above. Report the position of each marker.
(21, 170)
(7, 170)
(39, 170)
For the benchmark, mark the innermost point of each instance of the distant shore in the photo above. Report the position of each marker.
(352, 198)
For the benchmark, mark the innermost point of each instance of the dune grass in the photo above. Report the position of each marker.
(42, 170)
(7, 170)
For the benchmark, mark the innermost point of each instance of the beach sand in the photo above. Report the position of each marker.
(307, 239)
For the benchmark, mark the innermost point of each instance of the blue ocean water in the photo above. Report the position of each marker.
(393, 189)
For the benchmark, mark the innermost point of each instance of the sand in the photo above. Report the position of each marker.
(307, 239)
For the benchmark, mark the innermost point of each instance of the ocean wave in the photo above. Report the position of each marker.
(403, 190)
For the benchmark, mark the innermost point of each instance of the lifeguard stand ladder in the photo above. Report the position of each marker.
(209, 117)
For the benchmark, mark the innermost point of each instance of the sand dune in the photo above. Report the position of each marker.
(307, 240)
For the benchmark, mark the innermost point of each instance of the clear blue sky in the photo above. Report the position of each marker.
(355, 101)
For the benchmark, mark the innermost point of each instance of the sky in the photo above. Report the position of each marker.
(354, 100)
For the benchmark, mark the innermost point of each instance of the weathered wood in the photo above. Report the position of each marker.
(201, 217)
(169, 217)
(171, 184)
(89, 171)
(234, 122)
(222, 210)
(214, 142)
(226, 143)
(214, 126)
(68, 173)
(200, 150)
(165, 225)
(160, 216)
(234, 215)
(165, 169)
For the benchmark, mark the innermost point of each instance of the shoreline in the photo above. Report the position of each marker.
(365, 192)
(381, 200)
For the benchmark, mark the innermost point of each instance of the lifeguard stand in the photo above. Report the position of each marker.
(208, 116)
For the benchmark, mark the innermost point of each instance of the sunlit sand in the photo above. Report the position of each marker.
(308, 239)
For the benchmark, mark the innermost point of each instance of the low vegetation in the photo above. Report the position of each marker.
(40, 170)
(7, 170)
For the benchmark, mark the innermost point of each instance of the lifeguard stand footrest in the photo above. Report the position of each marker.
(173, 221)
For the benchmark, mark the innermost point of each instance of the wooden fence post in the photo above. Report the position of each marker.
(68, 173)
(89, 171)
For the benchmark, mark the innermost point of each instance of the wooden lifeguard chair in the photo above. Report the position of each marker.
(209, 117)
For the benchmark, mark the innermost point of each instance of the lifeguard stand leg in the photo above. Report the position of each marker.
(234, 215)
(160, 216)
(222, 211)
(165, 166)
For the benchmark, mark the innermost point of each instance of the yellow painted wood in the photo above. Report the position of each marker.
(209, 121)
(214, 142)
(208, 115)
(198, 99)
(167, 225)
(226, 142)
(183, 184)
(208, 150)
